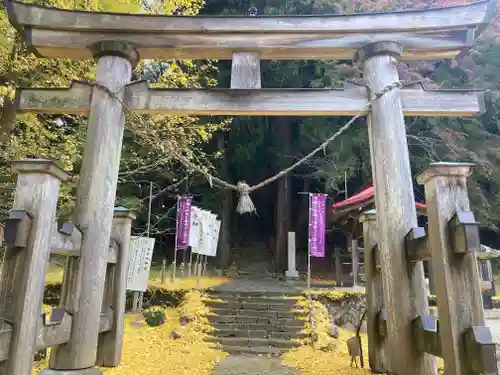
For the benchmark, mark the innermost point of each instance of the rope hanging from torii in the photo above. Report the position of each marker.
(245, 204)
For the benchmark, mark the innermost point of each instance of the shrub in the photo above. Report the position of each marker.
(154, 317)
(495, 300)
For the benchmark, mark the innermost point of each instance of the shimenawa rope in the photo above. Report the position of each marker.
(245, 204)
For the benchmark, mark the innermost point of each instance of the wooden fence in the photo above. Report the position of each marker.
(459, 336)
(32, 234)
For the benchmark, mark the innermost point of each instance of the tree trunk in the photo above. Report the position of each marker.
(223, 254)
(302, 216)
(283, 201)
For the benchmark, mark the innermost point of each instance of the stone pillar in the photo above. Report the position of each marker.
(403, 283)
(291, 273)
(84, 277)
(355, 262)
(28, 233)
(374, 295)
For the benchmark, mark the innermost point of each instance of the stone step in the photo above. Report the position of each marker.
(254, 342)
(251, 319)
(264, 350)
(245, 295)
(259, 333)
(277, 305)
(286, 328)
(259, 313)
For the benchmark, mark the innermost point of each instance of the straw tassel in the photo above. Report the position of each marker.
(245, 204)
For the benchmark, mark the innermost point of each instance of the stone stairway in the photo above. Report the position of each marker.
(256, 322)
(253, 260)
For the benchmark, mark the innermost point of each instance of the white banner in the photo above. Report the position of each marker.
(141, 255)
(215, 236)
(195, 232)
(205, 236)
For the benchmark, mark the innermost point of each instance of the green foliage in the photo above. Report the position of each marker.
(40, 355)
(148, 140)
(154, 317)
(52, 294)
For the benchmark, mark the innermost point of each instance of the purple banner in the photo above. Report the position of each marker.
(317, 225)
(183, 222)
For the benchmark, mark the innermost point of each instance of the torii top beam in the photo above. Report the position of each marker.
(425, 34)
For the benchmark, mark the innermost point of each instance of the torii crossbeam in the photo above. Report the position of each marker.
(140, 98)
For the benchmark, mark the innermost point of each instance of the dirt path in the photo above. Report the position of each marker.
(253, 365)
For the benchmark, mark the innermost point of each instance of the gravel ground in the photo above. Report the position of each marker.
(253, 365)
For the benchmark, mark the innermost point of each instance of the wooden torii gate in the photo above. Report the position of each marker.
(376, 41)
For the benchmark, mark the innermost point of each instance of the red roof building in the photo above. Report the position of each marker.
(344, 216)
(362, 201)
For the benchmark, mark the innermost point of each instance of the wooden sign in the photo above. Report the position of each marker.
(141, 255)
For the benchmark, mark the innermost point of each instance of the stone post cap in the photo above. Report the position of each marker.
(445, 169)
(125, 213)
(369, 215)
(39, 166)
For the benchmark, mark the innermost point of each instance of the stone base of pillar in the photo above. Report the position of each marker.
(87, 371)
(291, 275)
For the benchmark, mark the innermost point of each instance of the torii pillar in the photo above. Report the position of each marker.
(84, 277)
(403, 284)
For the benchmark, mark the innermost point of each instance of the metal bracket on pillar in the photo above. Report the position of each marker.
(481, 351)
(382, 323)
(106, 309)
(376, 256)
(66, 228)
(17, 228)
(464, 233)
(56, 317)
(426, 332)
(416, 246)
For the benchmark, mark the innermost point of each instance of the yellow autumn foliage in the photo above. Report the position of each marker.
(55, 276)
(151, 350)
(335, 295)
(188, 283)
(327, 355)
